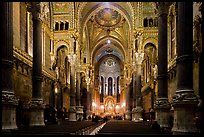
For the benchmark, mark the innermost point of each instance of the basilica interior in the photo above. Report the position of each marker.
(133, 60)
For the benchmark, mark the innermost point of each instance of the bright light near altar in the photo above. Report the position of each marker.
(93, 104)
(123, 105)
(109, 41)
(117, 107)
(102, 107)
(56, 90)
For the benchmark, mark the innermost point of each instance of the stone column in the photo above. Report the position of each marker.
(36, 106)
(128, 112)
(89, 101)
(162, 105)
(9, 102)
(72, 110)
(184, 101)
(78, 83)
(134, 89)
(201, 86)
(137, 110)
(79, 108)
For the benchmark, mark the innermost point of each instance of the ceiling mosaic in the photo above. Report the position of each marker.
(62, 7)
(107, 17)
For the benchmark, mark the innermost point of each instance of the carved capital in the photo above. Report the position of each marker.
(37, 104)
(35, 9)
(75, 35)
(72, 59)
(163, 8)
(139, 57)
(79, 109)
(9, 98)
(137, 110)
(72, 109)
(128, 80)
(162, 103)
(44, 11)
(184, 97)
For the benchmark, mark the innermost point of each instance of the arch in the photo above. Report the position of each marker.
(154, 41)
(149, 44)
(66, 25)
(56, 26)
(102, 89)
(59, 44)
(110, 104)
(110, 86)
(119, 48)
(61, 25)
(115, 6)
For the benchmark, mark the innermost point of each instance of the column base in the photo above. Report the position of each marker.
(72, 113)
(88, 114)
(79, 112)
(9, 103)
(127, 115)
(162, 112)
(137, 114)
(184, 103)
(37, 113)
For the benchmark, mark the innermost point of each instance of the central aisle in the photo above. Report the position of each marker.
(126, 127)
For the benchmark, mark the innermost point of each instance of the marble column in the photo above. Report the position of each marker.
(79, 108)
(201, 86)
(89, 101)
(134, 89)
(72, 109)
(162, 105)
(36, 105)
(9, 101)
(128, 112)
(184, 101)
(137, 110)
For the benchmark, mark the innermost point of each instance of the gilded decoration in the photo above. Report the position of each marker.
(104, 41)
(108, 17)
(61, 7)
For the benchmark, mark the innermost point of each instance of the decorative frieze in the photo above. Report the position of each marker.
(35, 9)
(162, 103)
(9, 98)
(23, 56)
(137, 109)
(184, 97)
(44, 11)
(37, 104)
(163, 8)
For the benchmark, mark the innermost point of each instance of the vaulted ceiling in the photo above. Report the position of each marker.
(106, 27)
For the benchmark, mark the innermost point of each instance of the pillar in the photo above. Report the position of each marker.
(79, 108)
(36, 106)
(162, 105)
(78, 83)
(134, 89)
(137, 110)
(184, 101)
(201, 86)
(72, 109)
(89, 101)
(128, 112)
(9, 101)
